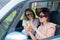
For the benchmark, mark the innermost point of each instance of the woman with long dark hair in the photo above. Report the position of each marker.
(29, 17)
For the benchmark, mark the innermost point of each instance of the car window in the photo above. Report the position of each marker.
(5, 24)
(3, 3)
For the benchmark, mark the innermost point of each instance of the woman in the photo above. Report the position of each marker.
(46, 29)
(29, 17)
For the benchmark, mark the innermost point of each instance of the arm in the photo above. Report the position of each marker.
(40, 33)
(28, 31)
(32, 36)
(49, 33)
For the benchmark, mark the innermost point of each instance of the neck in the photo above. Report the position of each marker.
(44, 23)
(32, 20)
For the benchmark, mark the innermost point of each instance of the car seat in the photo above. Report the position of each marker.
(19, 26)
(55, 18)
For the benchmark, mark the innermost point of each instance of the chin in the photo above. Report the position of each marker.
(41, 21)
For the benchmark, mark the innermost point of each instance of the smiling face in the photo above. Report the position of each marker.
(42, 17)
(29, 15)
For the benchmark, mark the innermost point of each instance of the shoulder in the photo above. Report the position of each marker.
(24, 20)
(52, 25)
(36, 19)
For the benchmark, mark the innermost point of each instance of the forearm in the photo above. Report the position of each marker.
(32, 36)
(39, 33)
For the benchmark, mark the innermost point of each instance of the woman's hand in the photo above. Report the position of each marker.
(28, 29)
(33, 26)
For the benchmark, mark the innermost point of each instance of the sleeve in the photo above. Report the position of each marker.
(36, 22)
(51, 30)
(24, 23)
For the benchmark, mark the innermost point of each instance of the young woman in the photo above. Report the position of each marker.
(29, 17)
(46, 29)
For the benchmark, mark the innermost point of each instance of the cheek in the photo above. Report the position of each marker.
(42, 19)
(30, 15)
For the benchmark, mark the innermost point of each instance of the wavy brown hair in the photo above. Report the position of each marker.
(30, 10)
(45, 11)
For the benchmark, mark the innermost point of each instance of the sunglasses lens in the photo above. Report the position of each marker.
(41, 16)
(28, 14)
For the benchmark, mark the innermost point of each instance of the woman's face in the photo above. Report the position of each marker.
(42, 17)
(29, 14)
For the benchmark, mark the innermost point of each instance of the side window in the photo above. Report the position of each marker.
(22, 17)
(5, 24)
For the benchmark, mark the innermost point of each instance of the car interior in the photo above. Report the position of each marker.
(55, 18)
(14, 19)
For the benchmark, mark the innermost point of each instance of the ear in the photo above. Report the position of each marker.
(47, 18)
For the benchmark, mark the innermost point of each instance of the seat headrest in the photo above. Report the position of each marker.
(55, 17)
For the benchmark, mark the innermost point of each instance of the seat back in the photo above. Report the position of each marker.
(55, 18)
(57, 32)
(19, 26)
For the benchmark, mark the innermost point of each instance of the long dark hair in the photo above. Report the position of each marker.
(46, 12)
(30, 10)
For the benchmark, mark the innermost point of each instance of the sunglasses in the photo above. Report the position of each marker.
(28, 14)
(41, 16)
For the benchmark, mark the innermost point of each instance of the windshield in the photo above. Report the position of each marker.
(3, 3)
(8, 7)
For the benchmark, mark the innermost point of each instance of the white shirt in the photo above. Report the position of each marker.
(36, 23)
